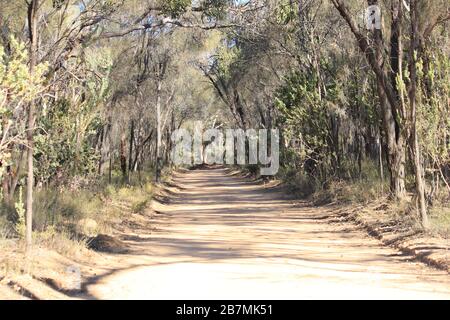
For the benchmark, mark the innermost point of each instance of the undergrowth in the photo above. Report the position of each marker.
(57, 214)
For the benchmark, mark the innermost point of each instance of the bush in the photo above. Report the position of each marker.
(139, 207)
(298, 181)
(440, 221)
(57, 214)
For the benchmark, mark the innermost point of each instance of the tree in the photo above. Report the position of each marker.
(394, 114)
(33, 7)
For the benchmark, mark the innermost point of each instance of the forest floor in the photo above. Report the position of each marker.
(213, 234)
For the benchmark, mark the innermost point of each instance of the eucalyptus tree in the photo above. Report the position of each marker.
(394, 91)
(58, 32)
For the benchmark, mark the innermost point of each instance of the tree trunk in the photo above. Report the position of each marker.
(110, 166)
(138, 160)
(32, 26)
(123, 156)
(130, 151)
(380, 159)
(105, 147)
(395, 137)
(158, 132)
(415, 148)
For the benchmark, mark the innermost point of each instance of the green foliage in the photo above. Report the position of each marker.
(16, 80)
(434, 111)
(18, 86)
(298, 181)
(304, 115)
(175, 8)
(210, 8)
(63, 143)
(227, 56)
(285, 12)
(215, 8)
(139, 207)
(62, 147)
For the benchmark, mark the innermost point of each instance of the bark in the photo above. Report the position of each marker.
(158, 132)
(238, 108)
(110, 168)
(389, 100)
(380, 159)
(140, 149)
(168, 137)
(105, 149)
(397, 51)
(32, 26)
(415, 147)
(130, 151)
(395, 139)
(230, 96)
(123, 156)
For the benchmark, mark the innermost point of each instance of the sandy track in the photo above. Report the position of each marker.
(226, 238)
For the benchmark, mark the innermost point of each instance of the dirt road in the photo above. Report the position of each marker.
(222, 237)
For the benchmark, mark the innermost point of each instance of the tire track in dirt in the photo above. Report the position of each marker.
(222, 237)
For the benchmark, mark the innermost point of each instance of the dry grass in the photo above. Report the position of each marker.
(13, 260)
(358, 192)
(56, 214)
(440, 221)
